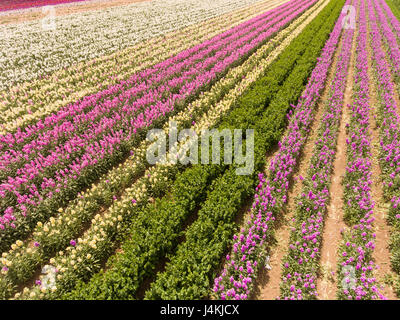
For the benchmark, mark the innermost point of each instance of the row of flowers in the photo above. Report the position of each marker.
(390, 39)
(53, 235)
(70, 5)
(249, 247)
(355, 265)
(102, 154)
(62, 120)
(389, 123)
(89, 35)
(22, 4)
(26, 103)
(301, 265)
(190, 272)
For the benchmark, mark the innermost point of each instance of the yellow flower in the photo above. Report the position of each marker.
(19, 243)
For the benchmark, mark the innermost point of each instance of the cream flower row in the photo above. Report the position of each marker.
(29, 50)
(184, 116)
(56, 6)
(27, 103)
(96, 236)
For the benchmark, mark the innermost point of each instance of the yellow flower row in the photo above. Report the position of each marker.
(94, 240)
(33, 100)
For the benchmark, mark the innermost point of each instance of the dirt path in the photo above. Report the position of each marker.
(268, 282)
(298, 26)
(334, 224)
(381, 253)
(385, 49)
(24, 16)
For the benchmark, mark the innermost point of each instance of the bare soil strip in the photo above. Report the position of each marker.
(267, 285)
(334, 224)
(381, 252)
(312, 13)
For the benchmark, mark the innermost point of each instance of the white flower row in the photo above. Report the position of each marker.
(71, 260)
(27, 102)
(31, 49)
(56, 6)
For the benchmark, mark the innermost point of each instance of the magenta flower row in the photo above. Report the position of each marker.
(388, 111)
(7, 5)
(301, 264)
(355, 278)
(89, 149)
(119, 97)
(249, 246)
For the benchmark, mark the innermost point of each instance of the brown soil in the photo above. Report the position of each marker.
(268, 282)
(334, 224)
(270, 288)
(102, 211)
(61, 11)
(381, 253)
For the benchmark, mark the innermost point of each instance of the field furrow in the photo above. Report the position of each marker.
(199, 150)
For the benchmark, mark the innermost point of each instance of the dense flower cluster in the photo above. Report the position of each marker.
(248, 253)
(355, 272)
(54, 234)
(107, 135)
(91, 34)
(28, 102)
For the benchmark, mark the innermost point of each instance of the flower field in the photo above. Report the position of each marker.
(305, 206)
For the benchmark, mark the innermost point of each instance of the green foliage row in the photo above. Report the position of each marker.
(155, 232)
(394, 5)
(190, 271)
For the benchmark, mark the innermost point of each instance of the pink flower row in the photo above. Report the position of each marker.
(235, 281)
(7, 5)
(356, 278)
(390, 124)
(126, 128)
(113, 99)
(301, 263)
